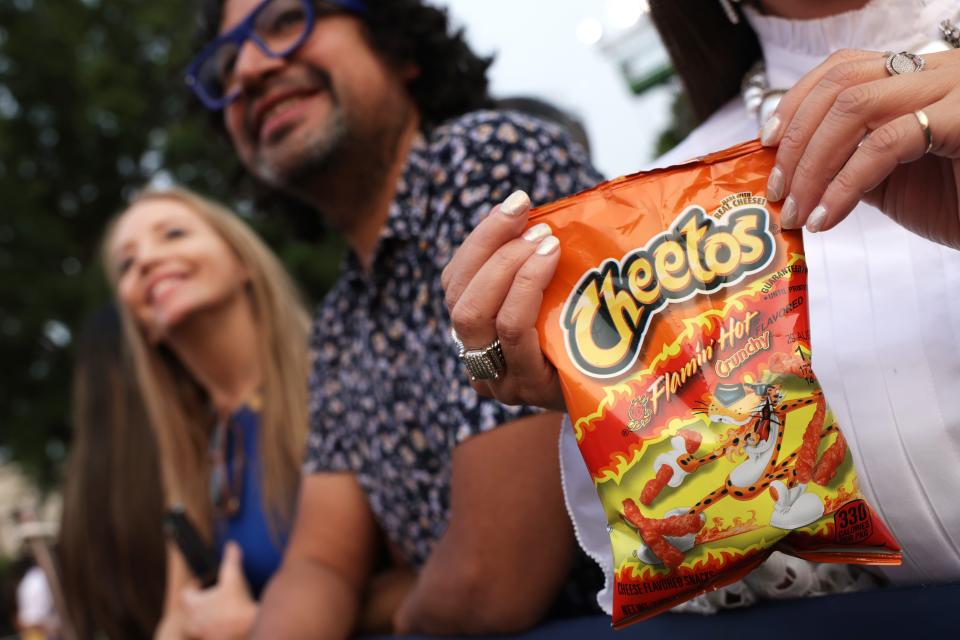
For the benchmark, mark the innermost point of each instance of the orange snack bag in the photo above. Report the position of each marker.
(677, 320)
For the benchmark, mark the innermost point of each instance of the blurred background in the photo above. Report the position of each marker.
(93, 106)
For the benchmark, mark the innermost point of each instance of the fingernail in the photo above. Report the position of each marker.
(548, 245)
(788, 214)
(770, 131)
(775, 185)
(536, 232)
(515, 204)
(817, 218)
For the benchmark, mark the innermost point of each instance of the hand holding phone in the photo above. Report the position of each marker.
(201, 558)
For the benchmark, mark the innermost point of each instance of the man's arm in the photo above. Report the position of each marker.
(318, 589)
(386, 592)
(508, 546)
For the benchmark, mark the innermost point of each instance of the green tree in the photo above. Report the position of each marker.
(93, 106)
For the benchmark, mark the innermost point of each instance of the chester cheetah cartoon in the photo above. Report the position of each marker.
(757, 413)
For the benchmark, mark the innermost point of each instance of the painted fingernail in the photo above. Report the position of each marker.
(817, 218)
(548, 245)
(788, 214)
(775, 185)
(770, 131)
(537, 232)
(515, 204)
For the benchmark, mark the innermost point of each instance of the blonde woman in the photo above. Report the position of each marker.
(218, 337)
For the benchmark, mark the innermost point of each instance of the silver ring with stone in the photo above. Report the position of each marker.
(485, 363)
(904, 62)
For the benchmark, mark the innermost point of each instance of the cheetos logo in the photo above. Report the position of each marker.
(607, 315)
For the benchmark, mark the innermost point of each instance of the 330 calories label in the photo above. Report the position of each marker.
(852, 522)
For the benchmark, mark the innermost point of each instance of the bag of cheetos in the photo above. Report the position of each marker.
(678, 323)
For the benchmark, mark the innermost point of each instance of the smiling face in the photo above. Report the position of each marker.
(169, 263)
(304, 113)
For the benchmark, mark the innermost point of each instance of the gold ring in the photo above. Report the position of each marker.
(925, 125)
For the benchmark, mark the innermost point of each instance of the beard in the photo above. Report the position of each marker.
(281, 160)
(313, 152)
(339, 166)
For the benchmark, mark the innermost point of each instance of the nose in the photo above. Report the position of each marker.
(252, 66)
(149, 254)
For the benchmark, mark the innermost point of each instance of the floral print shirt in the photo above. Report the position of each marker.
(389, 399)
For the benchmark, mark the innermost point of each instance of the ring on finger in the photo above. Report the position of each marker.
(904, 62)
(485, 363)
(925, 125)
(457, 342)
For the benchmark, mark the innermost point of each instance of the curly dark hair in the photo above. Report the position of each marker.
(452, 78)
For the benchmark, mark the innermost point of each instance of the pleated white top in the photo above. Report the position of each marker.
(884, 310)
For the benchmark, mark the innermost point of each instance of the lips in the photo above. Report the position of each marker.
(281, 114)
(161, 286)
(274, 102)
(274, 111)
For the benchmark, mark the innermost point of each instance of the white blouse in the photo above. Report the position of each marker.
(885, 319)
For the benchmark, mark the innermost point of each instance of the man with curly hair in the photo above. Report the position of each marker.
(377, 115)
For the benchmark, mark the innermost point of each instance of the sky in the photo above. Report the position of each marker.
(539, 54)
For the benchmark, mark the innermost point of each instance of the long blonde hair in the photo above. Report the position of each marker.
(177, 405)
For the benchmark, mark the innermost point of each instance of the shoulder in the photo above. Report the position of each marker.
(522, 143)
(494, 126)
(476, 160)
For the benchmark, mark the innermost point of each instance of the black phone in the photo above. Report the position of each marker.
(201, 558)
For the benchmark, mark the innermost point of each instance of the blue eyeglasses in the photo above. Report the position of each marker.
(276, 27)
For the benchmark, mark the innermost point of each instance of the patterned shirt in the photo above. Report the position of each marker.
(389, 399)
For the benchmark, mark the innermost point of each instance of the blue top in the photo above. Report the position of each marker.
(248, 527)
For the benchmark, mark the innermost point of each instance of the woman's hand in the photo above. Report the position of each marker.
(225, 611)
(494, 288)
(847, 132)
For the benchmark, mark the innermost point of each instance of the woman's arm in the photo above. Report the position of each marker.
(178, 578)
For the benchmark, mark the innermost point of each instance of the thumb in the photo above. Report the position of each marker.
(190, 596)
(231, 568)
